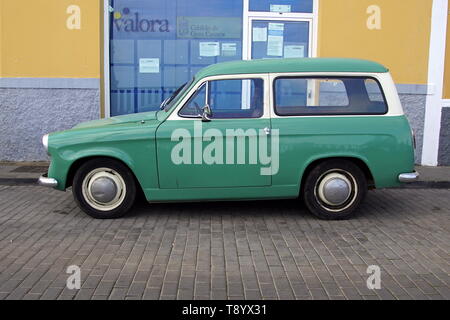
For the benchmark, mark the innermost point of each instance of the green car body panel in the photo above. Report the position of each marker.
(143, 142)
(124, 139)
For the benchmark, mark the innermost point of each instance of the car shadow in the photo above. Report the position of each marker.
(287, 207)
(218, 208)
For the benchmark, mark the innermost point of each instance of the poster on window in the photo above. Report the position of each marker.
(209, 49)
(280, 8)
(259, 34)
(275, 40)
(294, 51)
(149, 65)
(229, 49)
(275, 26)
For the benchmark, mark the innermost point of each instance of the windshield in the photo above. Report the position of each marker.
(168, 103)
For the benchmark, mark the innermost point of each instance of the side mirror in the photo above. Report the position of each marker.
(206, 114)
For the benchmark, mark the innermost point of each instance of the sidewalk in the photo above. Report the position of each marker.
(21, 173)
(26, 173)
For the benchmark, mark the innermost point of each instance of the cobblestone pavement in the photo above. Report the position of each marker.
(232, 250)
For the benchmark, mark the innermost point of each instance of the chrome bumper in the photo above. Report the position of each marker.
(47, 182)
(408, 177)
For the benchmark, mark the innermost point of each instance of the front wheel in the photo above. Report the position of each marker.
(104, 188)
(334, 189)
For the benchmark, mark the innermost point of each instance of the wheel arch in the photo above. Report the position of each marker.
(356, 160)
(82, 160)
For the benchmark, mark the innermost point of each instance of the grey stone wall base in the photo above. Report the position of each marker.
(444, 138)
(414, 107)
(27, 114)
(50, 83)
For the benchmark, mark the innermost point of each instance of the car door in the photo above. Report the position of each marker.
(230, 150)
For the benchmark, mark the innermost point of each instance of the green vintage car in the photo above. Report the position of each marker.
(324, 130)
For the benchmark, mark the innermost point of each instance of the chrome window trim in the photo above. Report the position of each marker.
(385, 80)
(266, 103)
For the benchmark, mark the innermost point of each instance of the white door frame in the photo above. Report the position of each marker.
(106, 65)
(250, 16)
(434, 101)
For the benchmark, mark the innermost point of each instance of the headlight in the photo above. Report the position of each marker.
(45, 142)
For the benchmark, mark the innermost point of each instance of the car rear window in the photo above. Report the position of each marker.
(302, 96)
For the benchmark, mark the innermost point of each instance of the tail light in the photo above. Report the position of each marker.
(413, 138)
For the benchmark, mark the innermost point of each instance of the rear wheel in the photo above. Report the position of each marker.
(334, 189)
(104, 188)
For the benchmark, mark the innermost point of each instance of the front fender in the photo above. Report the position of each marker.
(134, 146)
(60, 167)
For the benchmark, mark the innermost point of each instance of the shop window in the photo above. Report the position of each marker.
(155, 46)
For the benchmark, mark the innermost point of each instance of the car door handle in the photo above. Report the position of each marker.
(267, 130)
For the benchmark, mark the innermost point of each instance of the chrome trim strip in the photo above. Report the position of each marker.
(47, 182)
(408, 177)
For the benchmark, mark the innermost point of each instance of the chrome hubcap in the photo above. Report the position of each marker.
(336, 190)
(104, 189)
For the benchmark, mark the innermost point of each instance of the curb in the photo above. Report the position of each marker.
(18, 182)
(413, 185)
(426, 185)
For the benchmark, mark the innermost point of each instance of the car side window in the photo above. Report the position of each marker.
(301, 96)
(228, 99)
(373, 90)
(193, 108)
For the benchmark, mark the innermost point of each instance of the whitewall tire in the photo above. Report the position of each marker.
(334, 189)
(104, 188)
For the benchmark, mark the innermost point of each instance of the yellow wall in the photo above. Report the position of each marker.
(1, 35)
(402, 44)
(447, 61)
(37, 43)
